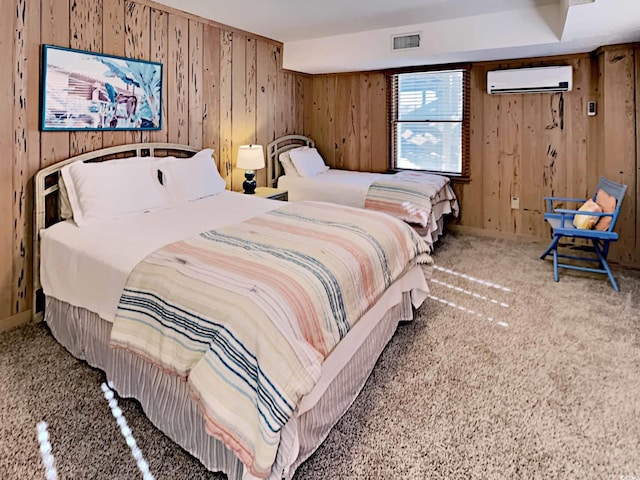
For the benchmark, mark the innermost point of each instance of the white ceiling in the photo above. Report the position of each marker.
(327, 36)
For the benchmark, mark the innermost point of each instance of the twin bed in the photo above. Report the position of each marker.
(421, 199)
(245, 327)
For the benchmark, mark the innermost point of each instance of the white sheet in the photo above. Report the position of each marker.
(88, 267)
(336, 186)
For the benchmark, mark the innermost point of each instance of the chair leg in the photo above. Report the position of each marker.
(555, 265)
(552, 246)
(603, 262)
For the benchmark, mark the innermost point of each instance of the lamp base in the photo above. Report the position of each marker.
(249, 185)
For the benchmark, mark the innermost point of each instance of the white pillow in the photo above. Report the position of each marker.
(112, 189)
(188, 179)
(308, 162)
(287, 165)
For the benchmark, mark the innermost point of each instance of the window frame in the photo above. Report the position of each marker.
(392, 111)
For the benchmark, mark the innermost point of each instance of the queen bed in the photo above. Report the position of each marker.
(124, 289)
(421, 199)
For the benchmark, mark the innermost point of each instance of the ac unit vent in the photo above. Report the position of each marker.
(403, 42)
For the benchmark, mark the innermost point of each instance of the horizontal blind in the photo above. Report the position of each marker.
(427, 97)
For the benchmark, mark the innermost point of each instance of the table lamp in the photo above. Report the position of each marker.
(250, 158)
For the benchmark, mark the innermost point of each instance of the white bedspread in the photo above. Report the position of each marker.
(88, 267)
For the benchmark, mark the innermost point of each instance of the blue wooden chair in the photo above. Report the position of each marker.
(561, 221)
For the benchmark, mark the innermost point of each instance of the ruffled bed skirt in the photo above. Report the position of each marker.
(166, 401)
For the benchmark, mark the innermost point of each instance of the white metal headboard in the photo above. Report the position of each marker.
(47, 193)
(278, 146)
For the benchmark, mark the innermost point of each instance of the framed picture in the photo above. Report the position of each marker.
(91, 91)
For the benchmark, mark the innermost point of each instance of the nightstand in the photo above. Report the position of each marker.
(272, 193)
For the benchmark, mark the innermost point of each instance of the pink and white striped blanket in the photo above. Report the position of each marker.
(410, 196)
(246, 314)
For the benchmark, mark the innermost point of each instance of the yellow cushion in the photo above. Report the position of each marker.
(587, 221)
(608, 204)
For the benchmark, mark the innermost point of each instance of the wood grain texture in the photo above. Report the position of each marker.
(54, 30)
(137, 45)
(178, 79)
(85, 33)
(265, 108)
(240, 127)
(620, 161)
(197, 99)
(113, 40)
(195, 84)
(159, 45)
(226, 47)
(7, 28)
(211, 90)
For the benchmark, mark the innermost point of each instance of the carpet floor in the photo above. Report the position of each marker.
(503, 374)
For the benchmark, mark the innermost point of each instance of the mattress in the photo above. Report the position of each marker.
(350, 188)
(84, 270)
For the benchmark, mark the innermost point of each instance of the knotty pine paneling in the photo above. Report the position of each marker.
(524, 146)
(348, 120)
(200, 98)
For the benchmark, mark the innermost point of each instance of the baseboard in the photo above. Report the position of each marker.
(15, 320)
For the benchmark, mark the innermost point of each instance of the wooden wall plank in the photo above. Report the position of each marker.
(211, 90)
(636, 52)
(620, 162)
(265, 108)
(283, 104)
(7, 29)
(137, 45)
(54, 146)
(85, 25)
(31, 104)
(159, 46)
(308, 105)
(364, 108)
(298, 103)
(491, 167)
(240, 124)
(226, 158)
(113, 39)
(195, 83)
(177, 80)
(379, 130)
(250, 90)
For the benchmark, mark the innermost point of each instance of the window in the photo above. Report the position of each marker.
(430, 121)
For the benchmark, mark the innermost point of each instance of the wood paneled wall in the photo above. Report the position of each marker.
(222, 87)
(524, 146)
(348, 115)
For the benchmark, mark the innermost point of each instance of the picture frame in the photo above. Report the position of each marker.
(88, 91)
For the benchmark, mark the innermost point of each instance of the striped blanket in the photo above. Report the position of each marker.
(247, 313)
(409, 196)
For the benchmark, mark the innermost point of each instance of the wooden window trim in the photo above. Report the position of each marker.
(392, 114)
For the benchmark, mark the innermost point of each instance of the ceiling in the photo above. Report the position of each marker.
(329, 36)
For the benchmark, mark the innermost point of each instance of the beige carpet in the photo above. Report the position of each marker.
(533, 379)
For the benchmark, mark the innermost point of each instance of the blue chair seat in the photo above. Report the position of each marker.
(561, 222)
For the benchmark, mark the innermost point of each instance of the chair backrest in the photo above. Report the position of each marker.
(614, 189)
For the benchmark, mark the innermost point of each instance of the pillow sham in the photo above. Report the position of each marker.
(608, 204)
(287, 164)
(308, 162)
(587, 221)
(186, 179)
(112, 189)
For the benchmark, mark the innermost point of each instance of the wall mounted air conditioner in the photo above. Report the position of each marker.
(530, 80)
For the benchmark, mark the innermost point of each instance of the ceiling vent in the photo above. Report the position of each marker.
(409, 41)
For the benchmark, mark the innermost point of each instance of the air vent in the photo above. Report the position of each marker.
(405, 42)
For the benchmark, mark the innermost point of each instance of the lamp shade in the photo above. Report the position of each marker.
(250, 157)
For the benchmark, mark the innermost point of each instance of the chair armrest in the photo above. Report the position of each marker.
(550, 201)
(563, 199)
(579, 212)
